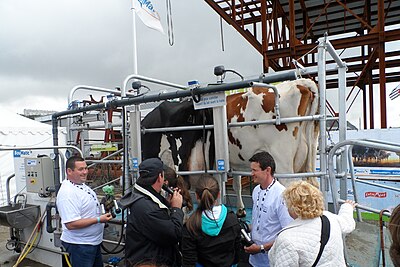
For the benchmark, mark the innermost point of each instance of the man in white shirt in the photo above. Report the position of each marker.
(270, 214)
(81, 218)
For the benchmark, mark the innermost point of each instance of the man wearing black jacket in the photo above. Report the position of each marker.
(154, 225)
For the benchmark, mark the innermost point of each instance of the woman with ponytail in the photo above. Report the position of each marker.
(211, 236)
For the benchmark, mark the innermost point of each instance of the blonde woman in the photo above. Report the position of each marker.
(299, 243)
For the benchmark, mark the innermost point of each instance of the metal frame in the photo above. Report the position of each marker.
(132, 160)
(328, 177)
(324, 47)
(369, 143)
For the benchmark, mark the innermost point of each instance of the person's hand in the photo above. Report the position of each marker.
(176, 199)
(351, 202)
(105, 217)
(253, 249)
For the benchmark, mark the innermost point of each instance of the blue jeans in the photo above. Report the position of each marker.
(83, 255)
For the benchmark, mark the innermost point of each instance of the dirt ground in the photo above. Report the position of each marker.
(362, 244)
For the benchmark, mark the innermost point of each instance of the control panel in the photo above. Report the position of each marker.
(39, 173)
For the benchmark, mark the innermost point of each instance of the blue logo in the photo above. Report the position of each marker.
(20, 153)
(221, 165)
(147, 4)
(135, 163)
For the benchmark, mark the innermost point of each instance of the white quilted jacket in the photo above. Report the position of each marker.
(298, 244)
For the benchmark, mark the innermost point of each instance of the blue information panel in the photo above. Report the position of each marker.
(221, 165)
(135, 164)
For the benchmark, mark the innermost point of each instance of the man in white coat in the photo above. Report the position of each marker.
(270, 214)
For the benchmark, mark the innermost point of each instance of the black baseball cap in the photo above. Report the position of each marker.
(149, 170)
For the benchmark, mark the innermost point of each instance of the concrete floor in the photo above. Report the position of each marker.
(9, 258)
(363, 246)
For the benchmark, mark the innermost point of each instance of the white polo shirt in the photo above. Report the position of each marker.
(78, 201)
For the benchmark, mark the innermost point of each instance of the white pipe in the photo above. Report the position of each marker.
(322, 108)
(333, 54)
(314, 69)
(342, 127)
(277, 112)
(134, 43)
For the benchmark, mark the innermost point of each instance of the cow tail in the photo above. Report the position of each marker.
(312, 131)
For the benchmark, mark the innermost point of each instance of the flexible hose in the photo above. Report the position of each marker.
(20, 259)
(67, 260)
(24, 252)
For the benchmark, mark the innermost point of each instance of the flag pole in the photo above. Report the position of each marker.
(126, 154)
(135, 67)
(150, 18)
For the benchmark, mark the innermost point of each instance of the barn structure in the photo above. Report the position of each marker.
(364, 31)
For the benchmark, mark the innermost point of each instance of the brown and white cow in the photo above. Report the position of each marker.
(293, 145)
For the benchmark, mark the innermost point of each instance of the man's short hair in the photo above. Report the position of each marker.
(265, 160)
(71, 161)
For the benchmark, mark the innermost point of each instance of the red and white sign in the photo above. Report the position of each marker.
(376, 194)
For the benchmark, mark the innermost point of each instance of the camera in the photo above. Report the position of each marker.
(246, 240)
(244, 233)
(171, 192)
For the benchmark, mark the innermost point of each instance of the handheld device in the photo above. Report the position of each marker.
(246, 240)
(171, 192)
(116, 207)
(167, 189)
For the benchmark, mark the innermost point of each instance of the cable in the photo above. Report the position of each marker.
(36, 229)
(170, 25)
(37, 242)
(25, 252)
(222, 34)
(67, 260)
(28, 250)
(114, 250)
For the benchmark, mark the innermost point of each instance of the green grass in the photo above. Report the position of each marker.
(369, 216)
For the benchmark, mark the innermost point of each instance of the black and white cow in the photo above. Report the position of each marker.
(177, 148)
(292, 145)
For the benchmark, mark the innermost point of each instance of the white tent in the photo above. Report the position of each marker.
(18, 131)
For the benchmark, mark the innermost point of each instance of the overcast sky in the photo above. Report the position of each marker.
(49, 46)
